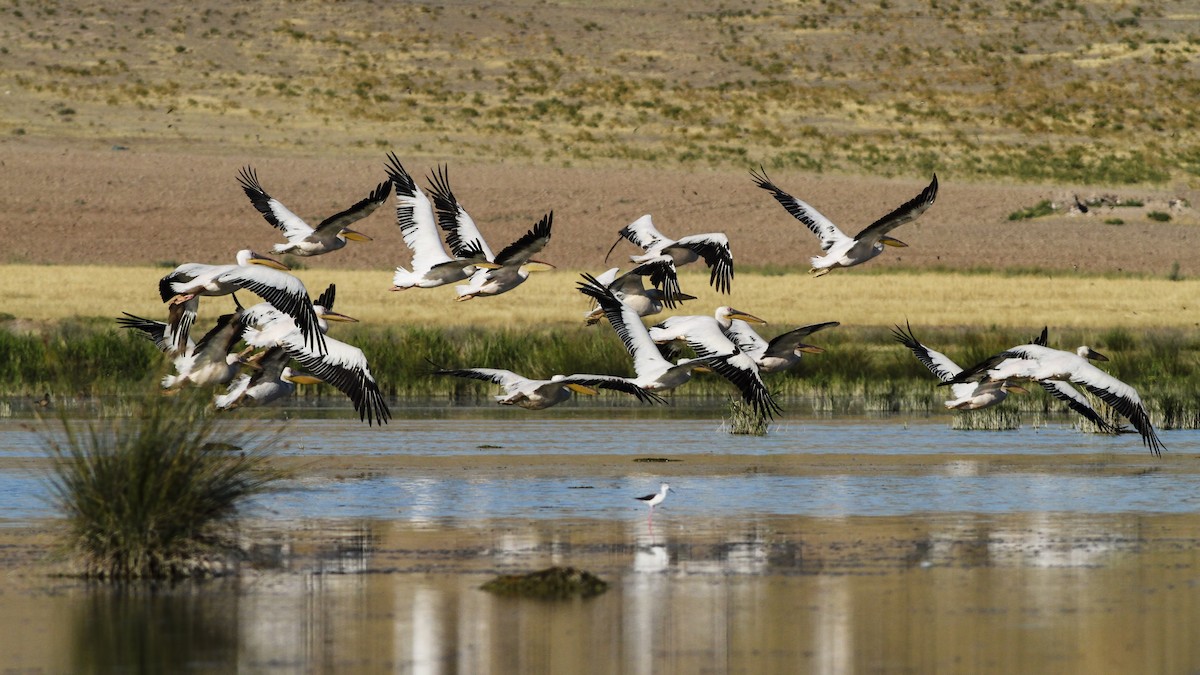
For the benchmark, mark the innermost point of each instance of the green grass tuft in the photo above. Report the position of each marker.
(154, 495)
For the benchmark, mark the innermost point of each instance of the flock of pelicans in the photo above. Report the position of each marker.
(286, 343)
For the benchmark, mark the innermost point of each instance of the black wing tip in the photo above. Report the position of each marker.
(398, 175)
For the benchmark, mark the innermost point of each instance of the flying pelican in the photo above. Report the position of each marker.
(302, 238)
(342, 365)
(654, 372)
(212, 361)
(713, 247)
(1040, 363)
(782, 352)
(706, 335)
(514, 264)
(510, 268)
(431, 265)
(841, 250)
(630, 289)
(272, 380)
(967, 395)
(541, 394)
(186, 283)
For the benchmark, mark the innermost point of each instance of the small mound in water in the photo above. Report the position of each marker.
(552, 583)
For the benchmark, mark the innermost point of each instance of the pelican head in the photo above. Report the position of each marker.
(330, 315)
(248, 257)
(353, 235)
(892, 241)
(725, 314)
(537, 266)
(298, 378)
(1089, 353)
(1013, 388)
(808, 349)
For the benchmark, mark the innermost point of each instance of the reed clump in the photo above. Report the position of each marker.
(743, 420)
(155, 495)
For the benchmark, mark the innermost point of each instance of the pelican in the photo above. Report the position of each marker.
(713, 247)
(782, 352)
(509, 268)
(253, 272)
(841, 250)
(342, 365)
(302, 238)
(630, 289)
(706, 335)
(212, 361)
(431, 265)
(273, 379)
(1039, 363)
(967, 395)
(541, 394)
(654, 372)
(514, 264)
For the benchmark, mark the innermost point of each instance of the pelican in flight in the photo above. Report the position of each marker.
(1039, 363)
(664, 291)
(840, 249)
(302, 238)
(712, 247)
(252, 272)
(541, 394)
(273, 379)
(508, 269)
(211, 361)
(782, 352)
(654, 371)
(706, 335)
(342, 365)
(513, 264)
(431, 265)
(967, 395)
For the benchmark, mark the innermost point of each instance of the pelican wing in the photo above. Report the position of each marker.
(942, 367)
(507, 379)
(662, 274)
(643, 234)
(326, 298)
(1122, 398)
(333, 225)
(707, 340)
(747, 339)
(219, 341)
(285, 292)
(903, 214)
(714, 248)
(786, 343)
(1079, 403)
(628, 325)
(345, 367)
(529, 245)
(462, 235)
(414, 215)
(812, 219)
(615, 383)
(272, 210)
(181, 275)
(154, 331)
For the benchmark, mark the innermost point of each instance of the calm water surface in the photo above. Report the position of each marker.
(948, 564)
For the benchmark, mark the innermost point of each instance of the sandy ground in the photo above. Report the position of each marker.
(66, 202)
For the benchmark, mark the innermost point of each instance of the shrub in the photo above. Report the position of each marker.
(154, 495)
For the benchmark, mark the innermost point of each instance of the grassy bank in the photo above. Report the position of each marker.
(862, 370)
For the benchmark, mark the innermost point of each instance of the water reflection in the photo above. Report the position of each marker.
(909, 594)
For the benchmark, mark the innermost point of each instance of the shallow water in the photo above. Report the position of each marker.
(831, 545)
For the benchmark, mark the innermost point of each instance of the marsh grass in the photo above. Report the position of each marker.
(744, 421)
(998, 418)
(155, 495)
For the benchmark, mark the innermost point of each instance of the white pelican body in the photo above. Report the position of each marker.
(629, 288)
(302, 238)
(967, 395)
(252, 273)
(431, 265)
(712, 247)
(212, 360)
(512, 265)
(706, 336)
(654, 372)
(780, 353)
(840, 249)
(541, 394)
(272, 381)
(1040, 364)
(342, 365)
